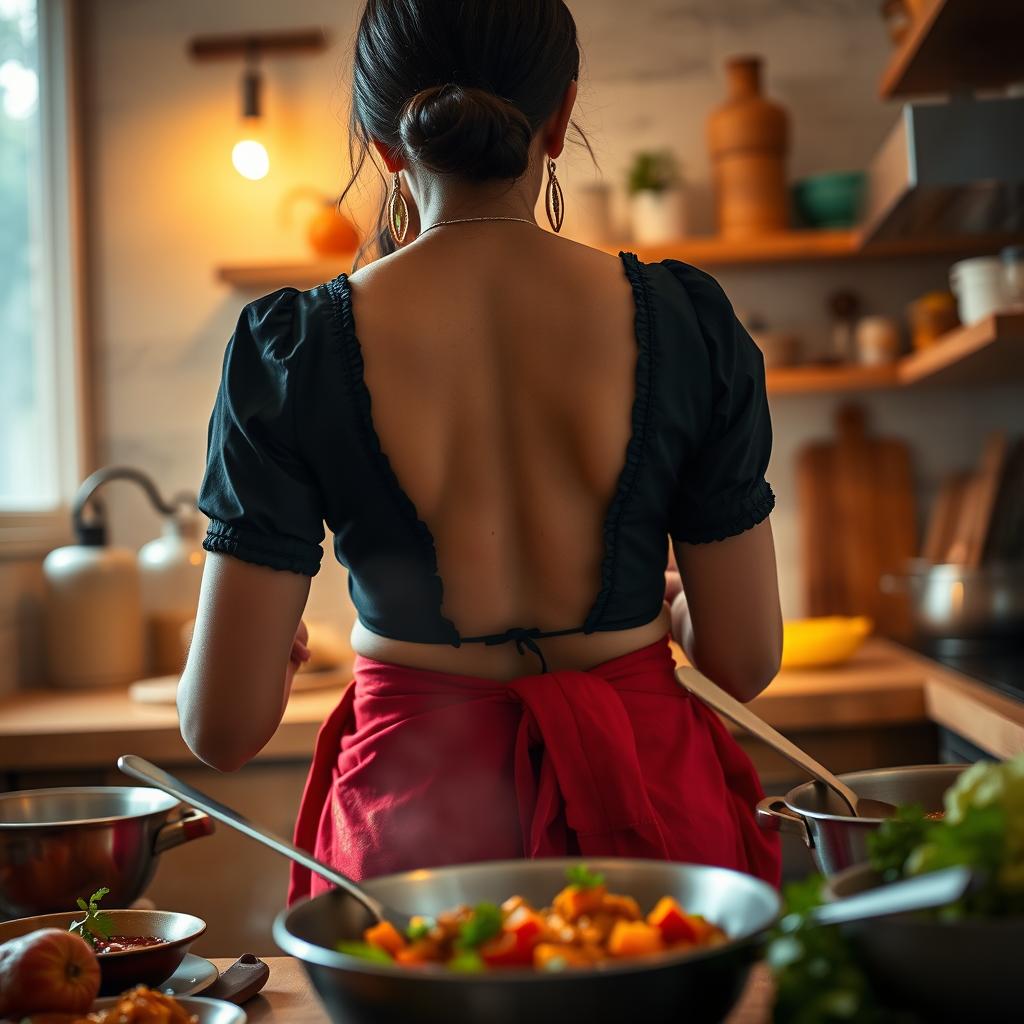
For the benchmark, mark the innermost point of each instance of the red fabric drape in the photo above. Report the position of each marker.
(417, 768)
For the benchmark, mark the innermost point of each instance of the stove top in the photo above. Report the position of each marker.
(996, 664)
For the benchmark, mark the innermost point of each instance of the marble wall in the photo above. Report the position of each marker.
(166, 207)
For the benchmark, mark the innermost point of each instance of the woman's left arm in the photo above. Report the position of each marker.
(235, 686)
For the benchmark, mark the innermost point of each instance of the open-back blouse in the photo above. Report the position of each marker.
(292, 444)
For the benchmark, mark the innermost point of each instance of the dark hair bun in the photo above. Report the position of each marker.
(457, 129)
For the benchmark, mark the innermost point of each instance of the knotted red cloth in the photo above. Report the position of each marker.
(418, 768)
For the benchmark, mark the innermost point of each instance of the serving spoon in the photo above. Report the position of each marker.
(715, 697)
(143, 770)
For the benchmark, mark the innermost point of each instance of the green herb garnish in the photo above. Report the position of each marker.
(97, 924)
(420, 929)
(364, 951)
(583, 878)
(467, 962)
(483, 924)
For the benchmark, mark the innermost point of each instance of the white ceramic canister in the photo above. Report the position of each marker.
(93, 616)
(979, 285)
(658, 217)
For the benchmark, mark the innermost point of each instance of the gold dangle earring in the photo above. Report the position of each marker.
(398, 212)
(554, 200)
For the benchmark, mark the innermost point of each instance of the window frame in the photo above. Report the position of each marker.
(28, 533)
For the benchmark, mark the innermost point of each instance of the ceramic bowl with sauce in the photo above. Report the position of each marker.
(137, 965)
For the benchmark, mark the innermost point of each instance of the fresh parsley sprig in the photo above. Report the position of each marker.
(97, 924)
(583, 878)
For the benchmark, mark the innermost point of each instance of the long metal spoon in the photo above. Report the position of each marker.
(714, 696)
(141, 769)
(925, 892)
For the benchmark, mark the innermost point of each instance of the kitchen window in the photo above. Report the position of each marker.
(41, 435)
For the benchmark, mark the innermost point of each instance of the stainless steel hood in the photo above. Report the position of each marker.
(947, 169)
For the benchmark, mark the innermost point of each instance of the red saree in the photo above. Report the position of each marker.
(418, 768)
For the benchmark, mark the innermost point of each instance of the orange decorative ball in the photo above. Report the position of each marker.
(330, 233)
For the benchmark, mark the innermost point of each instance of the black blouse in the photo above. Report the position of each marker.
(292, 444)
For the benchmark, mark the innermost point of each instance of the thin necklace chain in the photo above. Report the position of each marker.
(474, 220)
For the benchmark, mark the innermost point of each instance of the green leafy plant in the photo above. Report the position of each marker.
(97, 924)
(655, 171)
(583, 878)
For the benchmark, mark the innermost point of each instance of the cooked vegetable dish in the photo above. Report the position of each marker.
(584, 926)
(122, 943)
(139, 1005)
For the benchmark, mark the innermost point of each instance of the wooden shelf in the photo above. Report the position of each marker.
(788, 247)
(988, 352)
(958, 44)
(799, 380)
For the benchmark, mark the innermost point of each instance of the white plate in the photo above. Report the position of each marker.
(208, 1011)
(193, 975)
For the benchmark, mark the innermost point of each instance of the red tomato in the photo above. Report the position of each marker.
(506, 951)
(49, 969)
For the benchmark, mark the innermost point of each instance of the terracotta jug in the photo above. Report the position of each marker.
(748, 138)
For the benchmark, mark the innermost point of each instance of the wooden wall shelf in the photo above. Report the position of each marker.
(988, 352)
(788, 247)
(958, 44)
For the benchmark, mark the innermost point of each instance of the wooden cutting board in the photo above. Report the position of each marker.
(857, 522)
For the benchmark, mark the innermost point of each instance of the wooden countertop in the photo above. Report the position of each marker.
(288, 996)
(883, 685)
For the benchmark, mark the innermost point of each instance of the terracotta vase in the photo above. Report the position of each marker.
(330, 233)
(748, 138)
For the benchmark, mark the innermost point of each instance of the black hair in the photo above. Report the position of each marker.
(460, 86)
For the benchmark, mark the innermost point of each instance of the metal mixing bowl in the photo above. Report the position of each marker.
(837, 840)
(696, 987)
(59, 844)
(955, 971)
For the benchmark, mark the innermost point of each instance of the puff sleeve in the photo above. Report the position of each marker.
(262, 499)
(722, 490)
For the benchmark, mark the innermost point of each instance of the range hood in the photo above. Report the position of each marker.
(947, 169)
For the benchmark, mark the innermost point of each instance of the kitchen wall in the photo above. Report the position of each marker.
(166, 207)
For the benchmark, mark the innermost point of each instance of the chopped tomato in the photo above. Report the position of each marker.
(385, 936)
(634, 938)
(505, 951)
(675, 925)
(527, 926)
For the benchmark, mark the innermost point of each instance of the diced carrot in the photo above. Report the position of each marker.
(573, 902)
(385, 936)
(634, 938)
(550, 956)
(622, 906)
(675, 925)
(423, 951)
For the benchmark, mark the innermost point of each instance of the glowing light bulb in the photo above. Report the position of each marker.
(250, 159)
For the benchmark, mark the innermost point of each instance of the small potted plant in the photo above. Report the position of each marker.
(657, 198)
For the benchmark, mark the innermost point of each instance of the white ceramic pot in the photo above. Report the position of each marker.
(980, 287)
(658, 217)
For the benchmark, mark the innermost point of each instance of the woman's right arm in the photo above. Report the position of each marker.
(728, 619)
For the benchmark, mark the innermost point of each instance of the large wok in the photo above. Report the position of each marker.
(837, 840)
(698, 987)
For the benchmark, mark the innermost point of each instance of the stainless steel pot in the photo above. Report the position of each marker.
(59, 844)
(837, 840)
(953, 970)
(701, 987)
(953, 601)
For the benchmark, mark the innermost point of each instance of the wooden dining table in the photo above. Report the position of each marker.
(288, 997)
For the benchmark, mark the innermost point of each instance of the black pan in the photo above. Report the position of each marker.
(697, 987)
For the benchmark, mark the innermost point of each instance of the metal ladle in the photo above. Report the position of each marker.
(141, 769)
(715, 697)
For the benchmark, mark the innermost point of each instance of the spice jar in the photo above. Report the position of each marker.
(877, 340)
(931, 316)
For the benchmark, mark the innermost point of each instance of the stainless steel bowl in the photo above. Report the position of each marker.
(699, 987)
(59, 844)
(837, 840)
(953, 970)
(956, 602)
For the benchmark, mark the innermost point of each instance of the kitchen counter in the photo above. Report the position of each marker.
(288, 996)
(884, 685)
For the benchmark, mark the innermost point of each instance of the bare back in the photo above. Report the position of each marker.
(501, 365)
